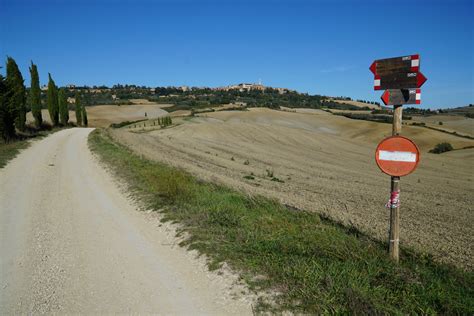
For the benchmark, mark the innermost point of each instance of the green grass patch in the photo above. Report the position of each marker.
(315, 265)
(277, 180)
(10, 150)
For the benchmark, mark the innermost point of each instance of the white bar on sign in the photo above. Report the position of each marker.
(405, 156)
(415, 62)
(377, 82)
(417, 96)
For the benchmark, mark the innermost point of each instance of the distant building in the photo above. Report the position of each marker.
(284, 90)
(243, 87)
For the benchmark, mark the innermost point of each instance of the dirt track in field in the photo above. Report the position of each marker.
(325, 163)
(72, 243)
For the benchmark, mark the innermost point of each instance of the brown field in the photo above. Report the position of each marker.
(104, 115)
(324, 163)
(451, 123)
(356, 103)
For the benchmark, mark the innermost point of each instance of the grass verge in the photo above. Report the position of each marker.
(314, 265)
(8, 151)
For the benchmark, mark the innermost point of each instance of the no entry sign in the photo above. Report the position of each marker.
(397, 156)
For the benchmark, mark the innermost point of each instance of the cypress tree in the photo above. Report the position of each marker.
(78, 110)
(63, 107)
(84, 116)
(7, 113)
(53, 105)
(35, 96)
(15, 84)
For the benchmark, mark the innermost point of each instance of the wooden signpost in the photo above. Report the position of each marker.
(397, 156)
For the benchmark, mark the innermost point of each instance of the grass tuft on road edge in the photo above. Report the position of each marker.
(316, 266)
(8, 151)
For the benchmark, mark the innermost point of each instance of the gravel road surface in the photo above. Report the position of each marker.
(71, 242)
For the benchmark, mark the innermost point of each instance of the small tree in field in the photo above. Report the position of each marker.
(84, 116)
(35, 96)
(441, 148)
(17, 100)
(78, 110)
(63, 107)
(52, 99)
(7, 112)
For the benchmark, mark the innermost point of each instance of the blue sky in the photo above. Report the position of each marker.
(319, 47)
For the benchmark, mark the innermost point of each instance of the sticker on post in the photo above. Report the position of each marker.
(394, 200)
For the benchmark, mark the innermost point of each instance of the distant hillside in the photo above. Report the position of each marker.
(185, 98)
(463, 110)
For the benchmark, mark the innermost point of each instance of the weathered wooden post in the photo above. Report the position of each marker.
(396, 155)
(394, 233)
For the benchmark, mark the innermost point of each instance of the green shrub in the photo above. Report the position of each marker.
(441, 148)
(125, 123)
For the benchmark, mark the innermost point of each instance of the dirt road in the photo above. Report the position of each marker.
(71, 242)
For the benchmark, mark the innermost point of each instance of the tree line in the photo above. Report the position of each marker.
(16, 101)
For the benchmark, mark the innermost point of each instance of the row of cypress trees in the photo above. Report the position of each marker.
(165, 121)
(14, 101)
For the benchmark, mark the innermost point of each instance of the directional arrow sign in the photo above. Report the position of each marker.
(401, 96)
(399, 81)
(403, 64)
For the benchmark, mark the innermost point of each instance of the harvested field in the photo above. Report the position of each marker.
(450, 123)
(325, 163)
(104, 115)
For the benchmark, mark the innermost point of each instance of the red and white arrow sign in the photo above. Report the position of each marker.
(420, 79)
(399, 81)
(401, 96)
(410, 63)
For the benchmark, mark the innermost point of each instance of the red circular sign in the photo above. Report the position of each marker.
(397, 156)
